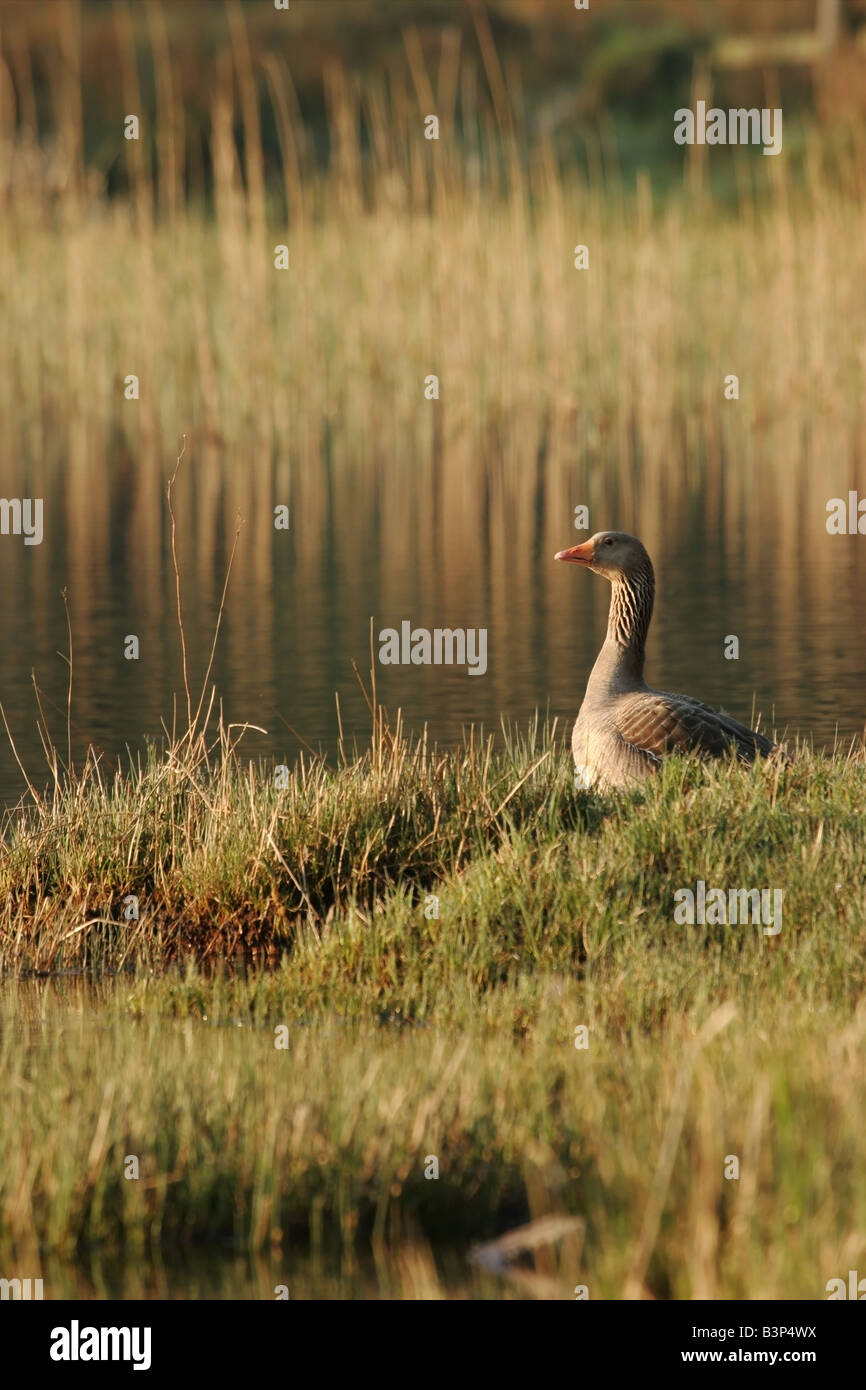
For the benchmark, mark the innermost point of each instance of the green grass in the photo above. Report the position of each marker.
(412, 1035)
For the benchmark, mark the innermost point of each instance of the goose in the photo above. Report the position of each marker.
(624, 728)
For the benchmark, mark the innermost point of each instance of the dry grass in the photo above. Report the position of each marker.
(455, 257)
(410, 1034)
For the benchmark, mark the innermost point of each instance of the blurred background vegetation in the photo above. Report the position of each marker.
(534, 66)
(305, 387)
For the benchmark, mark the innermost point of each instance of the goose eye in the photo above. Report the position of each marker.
(608, 540)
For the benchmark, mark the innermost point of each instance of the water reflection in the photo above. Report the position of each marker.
(462, 537)
(53, 1014)
(219, 1272)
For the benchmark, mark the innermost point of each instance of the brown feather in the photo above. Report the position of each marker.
(624, 728)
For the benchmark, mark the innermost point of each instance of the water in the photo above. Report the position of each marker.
(443, 541)
(67, 1016)
(221, 1272)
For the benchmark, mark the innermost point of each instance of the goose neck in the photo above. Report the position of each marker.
(631, 607)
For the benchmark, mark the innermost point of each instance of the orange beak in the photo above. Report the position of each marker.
(577, 555)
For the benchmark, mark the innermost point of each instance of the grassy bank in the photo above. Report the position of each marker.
(423, 933)
(412, 1035)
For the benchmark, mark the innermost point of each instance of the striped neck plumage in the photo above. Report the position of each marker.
(631, 608)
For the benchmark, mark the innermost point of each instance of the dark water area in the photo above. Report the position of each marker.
(56, 1017)
(457, 543)
(222, 1272)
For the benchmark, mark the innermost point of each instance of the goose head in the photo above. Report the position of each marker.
(613, 554)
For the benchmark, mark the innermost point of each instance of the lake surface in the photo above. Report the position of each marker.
(461, 536)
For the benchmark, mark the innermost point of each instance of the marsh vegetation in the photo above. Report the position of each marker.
(430, 912)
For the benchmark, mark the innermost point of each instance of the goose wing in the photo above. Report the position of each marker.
(658, 723)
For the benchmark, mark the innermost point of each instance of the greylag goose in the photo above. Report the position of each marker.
(624, 728)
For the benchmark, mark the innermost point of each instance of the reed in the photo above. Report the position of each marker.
(412, 1032)
(410, 257)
